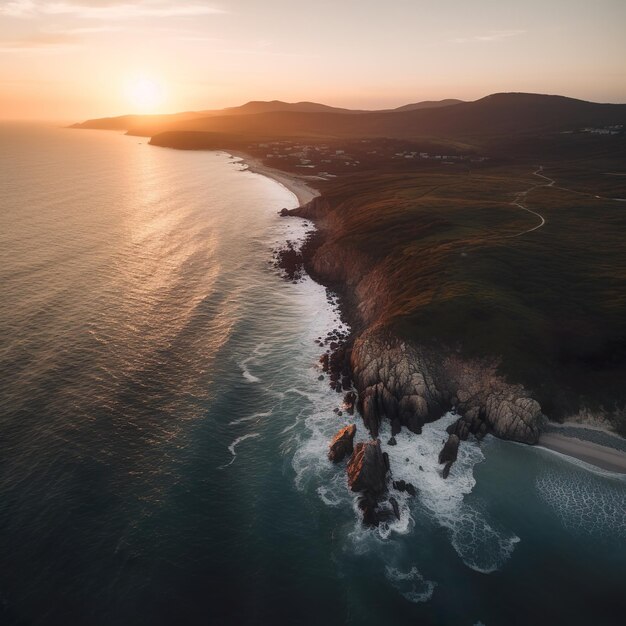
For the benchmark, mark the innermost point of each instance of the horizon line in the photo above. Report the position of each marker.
(67, 120)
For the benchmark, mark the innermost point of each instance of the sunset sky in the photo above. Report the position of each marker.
(73, 59)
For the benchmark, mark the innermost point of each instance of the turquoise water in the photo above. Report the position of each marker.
(163, 431)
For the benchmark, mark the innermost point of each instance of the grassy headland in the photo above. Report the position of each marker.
(551, 304)
(424, 200)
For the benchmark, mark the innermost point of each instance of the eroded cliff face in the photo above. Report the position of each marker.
(412, 385)
(330, 262)
(401, 381)
(484, 397)
(396, 381)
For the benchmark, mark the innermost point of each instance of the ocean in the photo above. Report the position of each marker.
(163, 428)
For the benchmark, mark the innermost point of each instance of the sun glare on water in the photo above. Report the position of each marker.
(145, 94)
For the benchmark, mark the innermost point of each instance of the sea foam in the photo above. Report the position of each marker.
(480, 544)
(585, 502)
(412, 585)
(234, 444)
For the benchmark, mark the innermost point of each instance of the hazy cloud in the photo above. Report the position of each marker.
(106, 10)
(497, 35)
(43, 41)
(89, 30)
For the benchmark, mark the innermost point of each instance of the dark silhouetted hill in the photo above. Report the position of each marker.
(499, 114)
(147, 124)
(428, 104)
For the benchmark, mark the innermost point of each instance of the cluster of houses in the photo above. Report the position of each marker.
(324, 157)
(441, 157)
(307, 156)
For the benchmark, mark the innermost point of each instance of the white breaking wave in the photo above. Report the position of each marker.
(481, 545)
(478, 542)
(261, 349)
(326, 496)
(250, 418)
(246, 372)
(234, 444)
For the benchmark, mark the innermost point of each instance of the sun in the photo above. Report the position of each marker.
(145, 94)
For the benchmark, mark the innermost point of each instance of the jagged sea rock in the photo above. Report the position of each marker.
(395, 507)
(450, 450)
(367, 471)
(402, 486)
(349, 401)
(342, 444)
(386, 460)
(369, 505)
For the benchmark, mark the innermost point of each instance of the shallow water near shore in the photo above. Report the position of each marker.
(163, 432)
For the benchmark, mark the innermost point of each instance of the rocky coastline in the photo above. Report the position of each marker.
(387, 378)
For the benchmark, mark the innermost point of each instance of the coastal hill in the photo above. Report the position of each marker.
(486, 235)
(127, 122)
(494, 115)
(272, 106)
(504, 124)
(140, 124)
(446, 260)
(428, 104)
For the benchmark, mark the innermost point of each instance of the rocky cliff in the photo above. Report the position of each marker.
(411, 385)
(399, 380)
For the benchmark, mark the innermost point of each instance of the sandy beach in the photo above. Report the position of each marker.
(605, 457)
(296, 184)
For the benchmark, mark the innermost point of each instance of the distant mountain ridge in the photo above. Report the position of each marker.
(507, 114)
(531, 123)
(128, 122)
(263, 106)
(138, 123)
(428, 104)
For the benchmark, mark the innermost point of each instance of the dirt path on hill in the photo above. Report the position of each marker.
(521, 197)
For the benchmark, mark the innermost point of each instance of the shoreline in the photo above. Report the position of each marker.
(604, 457)
(591, 429)
(296, 184)
(570, 445)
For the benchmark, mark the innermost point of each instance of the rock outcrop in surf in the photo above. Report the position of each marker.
(342, 444)
(367, 475)
(449, 453)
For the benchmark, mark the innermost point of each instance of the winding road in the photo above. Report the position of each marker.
(521, 196)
